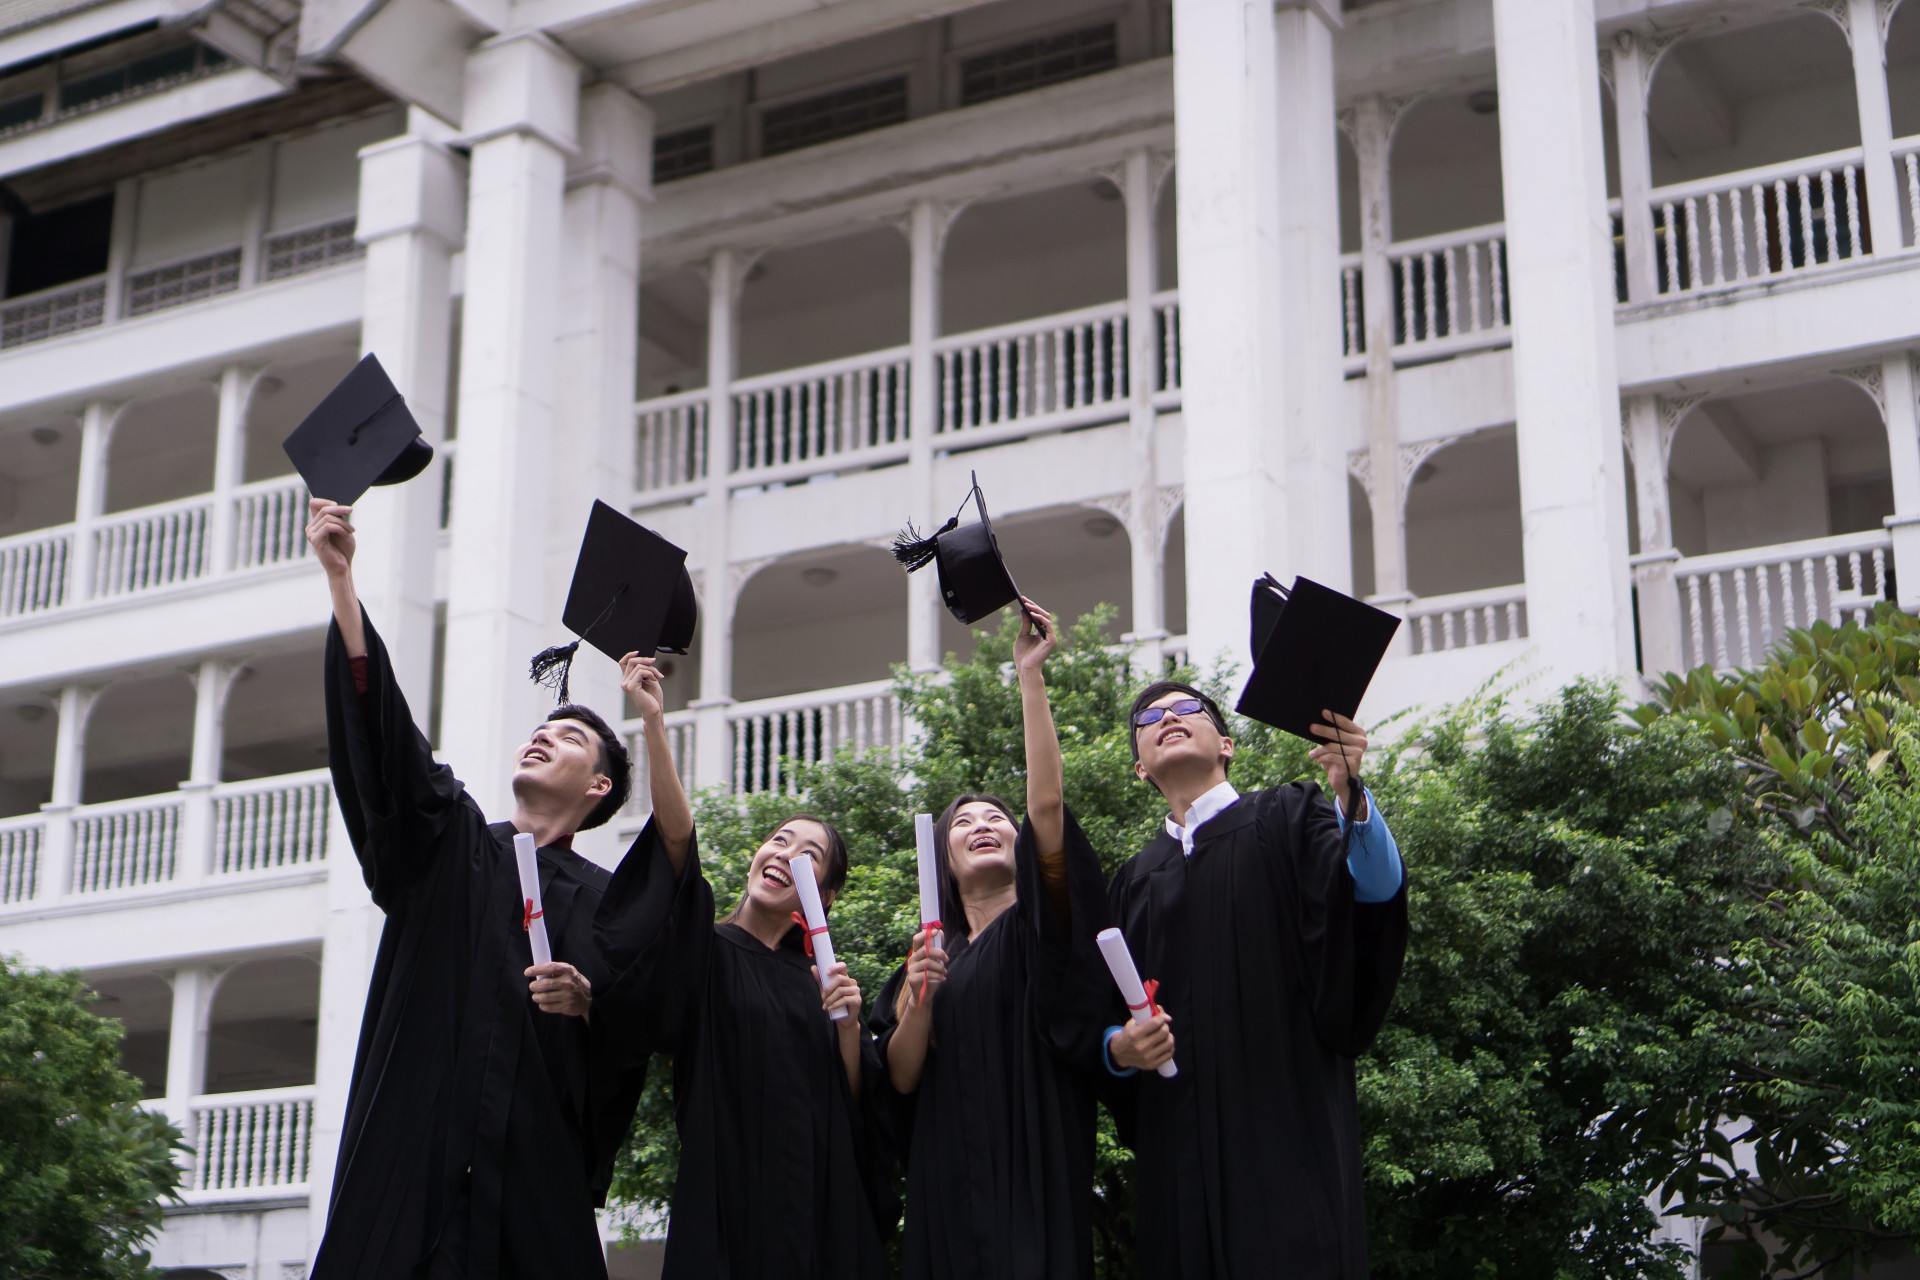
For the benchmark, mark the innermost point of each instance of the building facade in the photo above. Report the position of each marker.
(1579, 332)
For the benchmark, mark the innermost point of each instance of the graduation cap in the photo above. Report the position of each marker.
(973, 577)
(631, 593)
(1314, 650)
(360, 435)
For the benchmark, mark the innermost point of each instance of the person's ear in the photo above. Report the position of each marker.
(600, 785)
(1226, 748)
(1140, 771)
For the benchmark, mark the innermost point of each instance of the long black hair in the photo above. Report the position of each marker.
(832, 876)
(953, 912)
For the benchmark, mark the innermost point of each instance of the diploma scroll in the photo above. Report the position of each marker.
(929, 875)
(1113, 947)
(532, 917)
(801, 869)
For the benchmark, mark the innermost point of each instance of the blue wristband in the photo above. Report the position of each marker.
(1106, 1056)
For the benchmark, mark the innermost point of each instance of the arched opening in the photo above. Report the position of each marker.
(1360, 538)
(819, 620)
(1445, 165)
(29, 724)
(673, 333)
(825, 301)
(162, 449)
(1903, 69)
(1783, 464)
(1166, 233)
(139, 739)
(275, 719)
(1173, 573)
(1347, 166)
(1463, 517)
(142, 1004)
(1036, 254)
(261, 1029)
(39, 473)
(1069, 560)
(283, 396)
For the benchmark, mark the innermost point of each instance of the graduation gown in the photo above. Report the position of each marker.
(480, 1132)
(1000, 1134)
(1248, 1162)
(780, 1176)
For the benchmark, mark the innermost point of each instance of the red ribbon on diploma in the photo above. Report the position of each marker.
(807, 940)
(930, 928)
(1152, 987)
(528, 915)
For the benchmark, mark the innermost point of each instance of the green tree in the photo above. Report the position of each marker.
(82, 1170)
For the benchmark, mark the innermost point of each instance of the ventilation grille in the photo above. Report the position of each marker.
(839, 114)
(683, 153)
(1032, 64)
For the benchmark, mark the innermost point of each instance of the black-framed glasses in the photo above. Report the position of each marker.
(1153, 715)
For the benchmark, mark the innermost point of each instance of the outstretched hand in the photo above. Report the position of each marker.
(330, 536)
(640, 678)
(1340, 755)
(1038, 637)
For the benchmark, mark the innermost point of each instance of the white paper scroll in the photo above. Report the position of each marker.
(1113, 946)
(801, 869)
(929, 875)
(532, 917)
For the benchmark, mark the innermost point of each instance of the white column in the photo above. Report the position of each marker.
(1903, 451)
(90, 499)
(1661, 646)
(1876, 123)
(69, 767)
(211, 683)
(1566, 390)
(187, 1043)
(230, 458)
(1636, 165)
(712, 740)
(254, 223)
(522, 112)
(411, 218)
(126, 198)
(1373, 146)
(608, 185)
(927, 223)
(1140, 188)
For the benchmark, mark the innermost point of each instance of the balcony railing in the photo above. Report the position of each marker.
(1056, 371)
(673, 442)
(680, 731)
(1449, 294)
(850, 412)
(125, 844)
(1735, 604)
(153, 547)
(20, 857)
(245, 1144)
(52, 312)
(270, 524)
(294, 253)
(1761, 223)
(773, 737)
(1467, 618)
(33, 572)
(270, 823)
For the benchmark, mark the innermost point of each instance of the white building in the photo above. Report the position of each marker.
(1578, 331)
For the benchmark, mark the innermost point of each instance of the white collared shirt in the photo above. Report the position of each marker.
(1199, 813)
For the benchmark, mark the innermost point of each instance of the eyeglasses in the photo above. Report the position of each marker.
(1153, 715)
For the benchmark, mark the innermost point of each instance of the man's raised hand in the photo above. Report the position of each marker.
(1340, 755)
(330, 536)
(640, 677)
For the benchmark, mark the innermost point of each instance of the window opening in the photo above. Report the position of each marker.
(168, 66)
(827, 116)
(683, 153)
(1032, 64)
(52, 248)
(15, 112)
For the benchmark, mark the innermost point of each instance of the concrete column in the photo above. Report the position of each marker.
(1636, 165)
(230, 458)
(69, 767)
(1661, 639)
(254, 225)
(187, 1043)
(90, 499)
(712, 739)
(1876, 123)
(608, 186)
(522, 114)
(1373, 144)
(1140, 186)
(412, 219)
(211, 684)
(1566, 389)
(927, 224)
(126, 200)
(1903, 451)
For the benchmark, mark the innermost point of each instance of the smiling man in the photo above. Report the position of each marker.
(1277, 943)
(483, 1115)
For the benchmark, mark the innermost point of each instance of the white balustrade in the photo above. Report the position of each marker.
(1760, 223)
(1451, 287)
(20, 841)
(672, 441)
(1166, 316)
(772, 738)
(1735, 605)
(293, 253)
(152, 547)
(50, 313)
(1906, 171)
(1055, 371)
(270, 524)
(270, 822)
(680, 731)
(251, 1142)
(836, 411)
(33, 571)
(1353, 336)
(126, 843)
(1467, 618)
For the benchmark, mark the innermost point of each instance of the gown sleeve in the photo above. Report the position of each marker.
(890, 1111)
(654, 932)
(1349, 951)
(1068, 982)
(395, 799)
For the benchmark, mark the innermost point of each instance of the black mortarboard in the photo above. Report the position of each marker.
(974, 580)
(631, 593)
(360, 435)
(1314, 650)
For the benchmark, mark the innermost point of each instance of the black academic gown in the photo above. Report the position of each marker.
(780, 1176)
(480, 1132)
(1000, 1134)
(1249, 1160)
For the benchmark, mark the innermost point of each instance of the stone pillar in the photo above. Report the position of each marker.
(1636, 165)
(211, 684)
(69, 767)
(1373, 145)
(1903, 451)
(1662, 647)
(1566, 389)
(187, 1044)
(927, 224)
(712, 738)
(90, 499)
(1876, 123)
(1138, 180)
(412, 213)
(230, 458)
(522, 114)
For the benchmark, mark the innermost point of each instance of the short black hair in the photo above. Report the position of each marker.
(615, 762)
(1160, 689)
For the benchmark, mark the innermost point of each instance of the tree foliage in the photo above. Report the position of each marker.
(82, 1170)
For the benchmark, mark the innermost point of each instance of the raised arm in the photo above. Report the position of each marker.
(1046, 799)
(672, 815)
(331, 537)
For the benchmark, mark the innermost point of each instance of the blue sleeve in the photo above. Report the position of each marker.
(1374, 859)
(1106, 1042)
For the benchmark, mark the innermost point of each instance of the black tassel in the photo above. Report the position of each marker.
(551, 667)
(916, 552)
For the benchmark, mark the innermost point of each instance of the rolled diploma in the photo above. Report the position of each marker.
(1113, 946)
(531, 911)
(809, 887)
(929, 874)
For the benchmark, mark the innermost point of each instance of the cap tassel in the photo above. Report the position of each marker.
(914, 551)
(551, 667)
